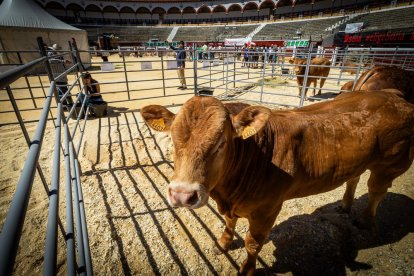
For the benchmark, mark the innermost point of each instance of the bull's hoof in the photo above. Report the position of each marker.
(247, 268)
(218, 249)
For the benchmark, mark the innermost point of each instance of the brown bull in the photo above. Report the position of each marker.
(318, 69)
(251, 159)
(382, 77)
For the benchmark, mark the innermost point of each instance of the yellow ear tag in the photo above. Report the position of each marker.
(158, 124)
(248, 131)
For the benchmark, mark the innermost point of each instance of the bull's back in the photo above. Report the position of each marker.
(320, 67)
(343, 138)
(388, 78)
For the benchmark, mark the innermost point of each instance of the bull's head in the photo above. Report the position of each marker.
(300, 65)
(202, 133)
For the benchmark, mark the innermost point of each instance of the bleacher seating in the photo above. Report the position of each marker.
(292, 29)
(214, 33)
(315, 28)
(387, 19)
(131, 34)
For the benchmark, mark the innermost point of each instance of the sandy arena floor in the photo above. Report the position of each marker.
(133, 231)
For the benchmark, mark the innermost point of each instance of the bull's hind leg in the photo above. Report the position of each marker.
(381, 179)
(223, 244)
(348, 198)
(378, 185)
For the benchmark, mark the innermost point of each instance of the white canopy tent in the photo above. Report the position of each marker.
(22, 21)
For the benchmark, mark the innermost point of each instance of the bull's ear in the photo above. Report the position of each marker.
(157, 117)
(250, 120)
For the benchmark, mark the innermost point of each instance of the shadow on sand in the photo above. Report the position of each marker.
(326, 242)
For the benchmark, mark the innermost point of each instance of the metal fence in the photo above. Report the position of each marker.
(271, 77)
(75, 234)
(263, 77)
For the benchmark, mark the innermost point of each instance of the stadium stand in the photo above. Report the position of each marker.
(396, 18)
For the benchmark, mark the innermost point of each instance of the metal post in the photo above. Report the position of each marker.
(47, 64)
(227, 74)
(223, 72)
(345, 54)
(210, 74)
(12, 228)
(126, 75)
(75, 47)
(305, 79)
(162, 72)
(27, 82)
(234, 72)
(358, 71)
(49, 265)
(263, 81)
(195, 76)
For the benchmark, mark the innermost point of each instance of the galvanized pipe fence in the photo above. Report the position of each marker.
(78, 252)
(265, 78)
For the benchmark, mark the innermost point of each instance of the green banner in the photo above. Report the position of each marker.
(160, 44)
(296, 43)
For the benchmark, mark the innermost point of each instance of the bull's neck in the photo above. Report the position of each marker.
(248, 163)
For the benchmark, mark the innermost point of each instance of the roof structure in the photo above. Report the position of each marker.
(28, 14)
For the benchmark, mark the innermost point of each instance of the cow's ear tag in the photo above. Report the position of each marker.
(248, 131)
(158, 124)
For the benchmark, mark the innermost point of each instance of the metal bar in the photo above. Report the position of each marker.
(10, 235)
(126, 76)
(27, 82)
(49, 265)
(70, 239)
(305, 79)
(227, 74)
(358, 72)
(234, 72)
(263, 76)
(14, 74)
(162, 71)
(82, 130)
(78, 225)
(83, 224)
(195, 66)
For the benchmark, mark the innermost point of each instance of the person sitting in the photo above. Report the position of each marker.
(93, 89)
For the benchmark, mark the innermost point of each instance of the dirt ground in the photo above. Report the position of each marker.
(133, 230)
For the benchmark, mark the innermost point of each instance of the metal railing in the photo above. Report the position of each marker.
(78, 252)
(269, 77)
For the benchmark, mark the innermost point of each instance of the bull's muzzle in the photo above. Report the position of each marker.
(186, 195)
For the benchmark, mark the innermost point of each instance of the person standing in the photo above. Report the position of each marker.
(59, 65)
(205, 49)
(181, 55)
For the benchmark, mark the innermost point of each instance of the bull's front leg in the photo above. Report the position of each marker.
(300, 82)
(223, 244)
(259, 229)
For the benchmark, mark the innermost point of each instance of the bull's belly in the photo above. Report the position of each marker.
(314, 187)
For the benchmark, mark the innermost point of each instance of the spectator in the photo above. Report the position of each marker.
(59, 65)
(200, 53)
(98, 106)
(92, 88)
(181, 55)
(205, 49)
(245, 55)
